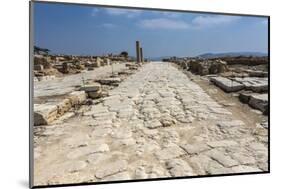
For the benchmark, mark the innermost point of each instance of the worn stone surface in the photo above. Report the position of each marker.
(44, 114)
(259, 101)
(111, 168)
(178, 167)
(255, 84)
(156, 123)
(169, 153)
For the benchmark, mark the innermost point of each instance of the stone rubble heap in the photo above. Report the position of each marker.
(57, 65)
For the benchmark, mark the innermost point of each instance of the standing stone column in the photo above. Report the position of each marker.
(138, 51)
(141, 55)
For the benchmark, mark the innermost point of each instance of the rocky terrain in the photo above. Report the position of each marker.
(155, 122)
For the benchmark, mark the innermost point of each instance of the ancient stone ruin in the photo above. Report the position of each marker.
(247, 76)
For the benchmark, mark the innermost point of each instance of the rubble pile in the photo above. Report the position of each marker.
(246, 60)
(50, 66)
(207, 67)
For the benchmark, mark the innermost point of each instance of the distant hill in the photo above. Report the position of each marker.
(158, 58)
(231, 54)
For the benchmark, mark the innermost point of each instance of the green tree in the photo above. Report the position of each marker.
(124, 54)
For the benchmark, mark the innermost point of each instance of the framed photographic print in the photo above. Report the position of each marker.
(124, 94)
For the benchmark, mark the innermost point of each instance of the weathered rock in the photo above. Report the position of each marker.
(122, 133)
(72, 166)
(82, 151)
(223, 159)
(101, 131)
(93, 87)
(178, 167)
(260, 102)
(93, 90)
(244, 97)
(44, 113)
(97, 158)
(38, 67)
(140, 173)
(118, 176)
(77, 97)
(243, 158)
(153, 124)
(245, 169)
(46, 77)
(110, 81)
(167, 121)
(254, 84)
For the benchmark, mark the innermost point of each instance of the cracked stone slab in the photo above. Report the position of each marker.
(245, 169)
(74, 166)
(122, 133)
(111, 168)
(222, 143)
(178, 167)
(153, 124)
(195, 148)
(101, 131)
(223, 159)
(83, 151)
(169, 153)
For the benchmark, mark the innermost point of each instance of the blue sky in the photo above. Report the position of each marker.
(89, 30)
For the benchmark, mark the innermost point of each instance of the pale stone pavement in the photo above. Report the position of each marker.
(155, 124)
(67, 84)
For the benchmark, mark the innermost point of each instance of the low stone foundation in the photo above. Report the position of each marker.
(46, 113)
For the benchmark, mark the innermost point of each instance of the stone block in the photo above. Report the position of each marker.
(95, 94)
(77, 97)
(254, 84)
(110, 81)
(91, 87)
(226, 84)
(44, 113)
(38, 67)
(260, 102)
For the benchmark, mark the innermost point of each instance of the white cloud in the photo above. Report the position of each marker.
(209, 21)
(163, 23)
(123, 12)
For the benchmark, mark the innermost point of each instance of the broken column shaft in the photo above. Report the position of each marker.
(141, 55)
(138, 51)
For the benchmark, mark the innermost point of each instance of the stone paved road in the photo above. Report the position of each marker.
(157, 123)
